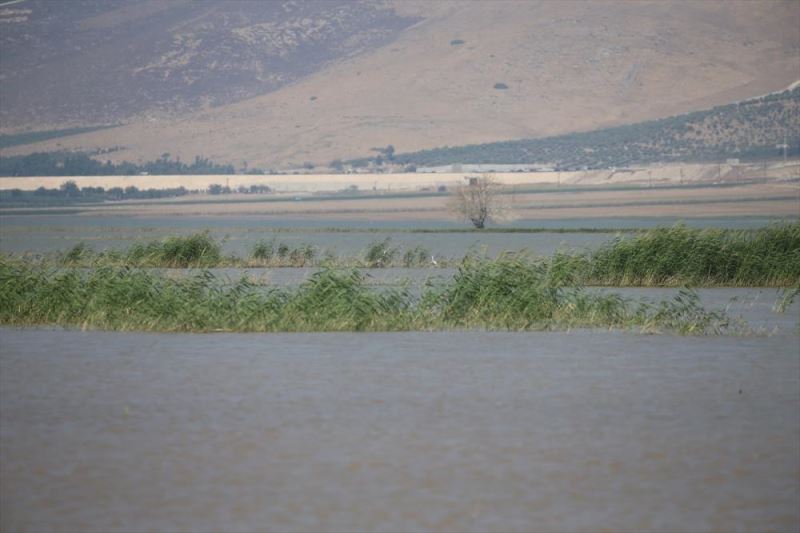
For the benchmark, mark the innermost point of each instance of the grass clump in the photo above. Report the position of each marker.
(380, 254)
(263, 250)
(268, 254)
(193, 250)
(417, 257)
(683, 314)
(302, 256)
(196, 250)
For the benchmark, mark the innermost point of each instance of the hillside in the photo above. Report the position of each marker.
(93, 61)
(754, 128)
(463, 73)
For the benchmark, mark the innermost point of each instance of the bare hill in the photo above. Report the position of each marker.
(476, 72)
(101, 61)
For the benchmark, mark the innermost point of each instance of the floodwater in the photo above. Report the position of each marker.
(241, 243)
(48, 233)
(451, 431)
(20, 234)
(258, 222)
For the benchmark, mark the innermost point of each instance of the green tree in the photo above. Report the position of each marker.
(70, 189)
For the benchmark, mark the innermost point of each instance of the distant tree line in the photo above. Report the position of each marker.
(81, 164)
(753, 129)
(69, 193)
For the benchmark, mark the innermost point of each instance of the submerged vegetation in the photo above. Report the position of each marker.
(509, 293)
(670, 257)
(200, 250)
(112, 290)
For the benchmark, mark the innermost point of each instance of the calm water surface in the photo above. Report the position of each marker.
(240, 241)
(47, 233)
(452, 431)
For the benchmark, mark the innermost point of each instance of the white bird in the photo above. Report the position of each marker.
(433, 260)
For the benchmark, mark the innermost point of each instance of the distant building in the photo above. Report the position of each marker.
(458, 167)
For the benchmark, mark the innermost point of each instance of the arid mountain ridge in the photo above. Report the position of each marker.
(277, 84)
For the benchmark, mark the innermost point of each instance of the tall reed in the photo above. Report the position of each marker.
(673, 256)
(510, 293)
(680, 255)
(196, 250)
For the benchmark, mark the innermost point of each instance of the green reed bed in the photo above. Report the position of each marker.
(679, 255)
(672, 257)
(514, 293)
(509, 293)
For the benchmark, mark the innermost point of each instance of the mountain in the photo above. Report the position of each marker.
(208, 78)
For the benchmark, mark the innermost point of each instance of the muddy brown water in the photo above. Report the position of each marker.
(449, 431)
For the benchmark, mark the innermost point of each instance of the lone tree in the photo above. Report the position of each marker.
(475, 200)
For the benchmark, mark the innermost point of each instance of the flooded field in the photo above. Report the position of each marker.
(461, 431)
(49, 233)
(448, 431)
(240, 241)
